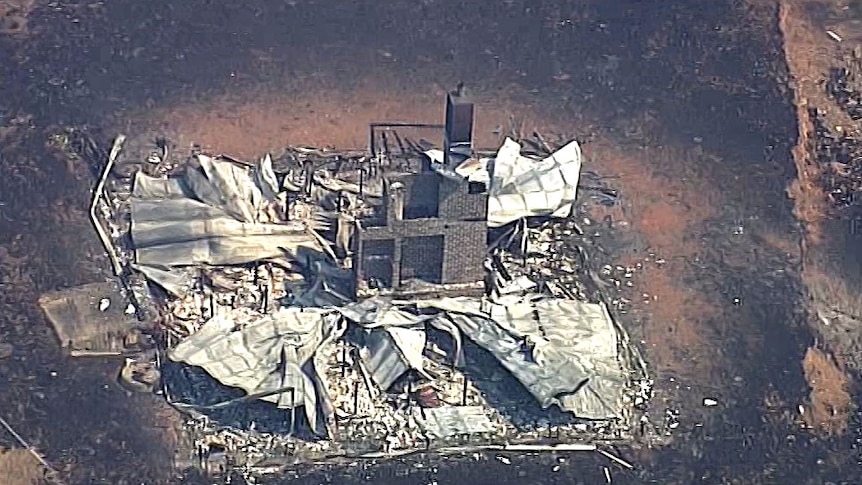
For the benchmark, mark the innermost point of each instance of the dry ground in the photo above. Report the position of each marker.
(665, 213)
(250, 122)
(830, 402)
(19, 467)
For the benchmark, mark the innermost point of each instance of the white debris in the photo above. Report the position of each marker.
(104, 303)
(523, 187)
(835, 37)
(708, 402)
(616, 459)
(504, 460)
(130, 310)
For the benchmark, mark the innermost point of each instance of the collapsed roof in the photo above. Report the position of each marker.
(263, 355)
(564, 352)
(219, 213)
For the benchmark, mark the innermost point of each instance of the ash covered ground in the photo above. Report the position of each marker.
(688, 108)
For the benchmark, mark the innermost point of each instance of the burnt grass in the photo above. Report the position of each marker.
(713, 70)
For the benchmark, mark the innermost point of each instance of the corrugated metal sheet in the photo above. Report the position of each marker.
(210, 216)
(447, 421)
(263, 354)
(563, 351)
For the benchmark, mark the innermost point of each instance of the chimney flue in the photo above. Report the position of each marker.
(458, 137)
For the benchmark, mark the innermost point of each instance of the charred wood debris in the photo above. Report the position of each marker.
(566, 257)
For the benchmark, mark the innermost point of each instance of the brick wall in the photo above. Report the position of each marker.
(457, 204)
(461, 222)
(464, 253)
(465, 244)
(422, 258)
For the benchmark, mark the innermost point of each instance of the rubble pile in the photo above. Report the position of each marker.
(201, 295)
(247, 277)
(366, 420)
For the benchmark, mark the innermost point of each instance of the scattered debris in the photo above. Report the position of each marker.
(85, 320)
(139, 376)
(616, 459)
(834, 36)
(521, 186)
(526, 448)
(97, 206)
(708, 402)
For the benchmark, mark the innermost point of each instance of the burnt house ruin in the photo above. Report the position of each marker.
(429, 234)
(319, 304)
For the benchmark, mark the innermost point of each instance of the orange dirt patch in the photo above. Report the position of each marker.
(786, 244)
(829, 405)
(249, 123)
(834, 292)
(19, 467)
(662, 209)
(677, 336)
(663, 222)
(809, 54)
(809, 199)
(666, 213)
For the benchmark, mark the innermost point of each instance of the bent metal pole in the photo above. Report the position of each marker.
(98, 193)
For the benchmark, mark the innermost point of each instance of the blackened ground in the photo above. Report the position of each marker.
(683, 102)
